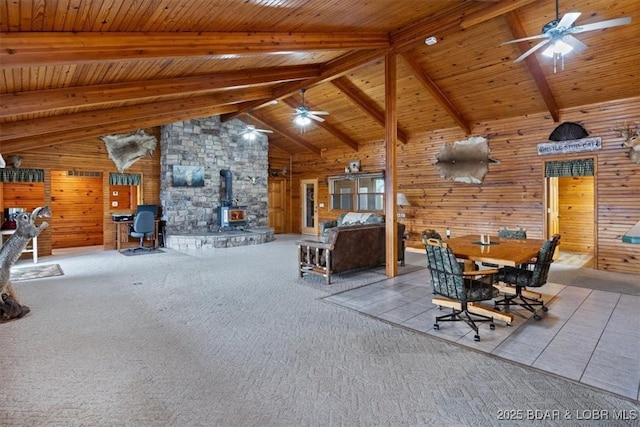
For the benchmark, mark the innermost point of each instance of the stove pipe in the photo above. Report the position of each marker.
(226, 193)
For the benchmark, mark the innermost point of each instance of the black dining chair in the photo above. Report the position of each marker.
(458, 289)
(530, 275)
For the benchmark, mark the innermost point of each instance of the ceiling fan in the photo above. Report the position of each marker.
(250, 132)
(303, 115)
(557, 34)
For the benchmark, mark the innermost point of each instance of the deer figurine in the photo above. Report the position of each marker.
(631, 140)
(26, 230)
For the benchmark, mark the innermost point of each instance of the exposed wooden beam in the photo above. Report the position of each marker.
(327, 126)
(177, 109)
(515, 25)
(365, 103)
(110, 94)
(459, 17)
(285, 133)
(330, 70)
(25, 144)
(47, 48)
(436, 92)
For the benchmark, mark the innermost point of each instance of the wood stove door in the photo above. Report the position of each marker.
(308, 196)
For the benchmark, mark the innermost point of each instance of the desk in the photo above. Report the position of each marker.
(122, 233)
(34, 244)
(507, 252)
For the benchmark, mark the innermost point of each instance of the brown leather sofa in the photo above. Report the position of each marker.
(347, 248)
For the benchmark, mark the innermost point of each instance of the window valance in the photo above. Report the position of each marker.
(21, 175)
(125, 179)
(578, 167)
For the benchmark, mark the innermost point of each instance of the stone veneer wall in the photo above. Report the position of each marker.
(214, 145)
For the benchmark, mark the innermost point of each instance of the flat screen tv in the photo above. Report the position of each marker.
(148, 208)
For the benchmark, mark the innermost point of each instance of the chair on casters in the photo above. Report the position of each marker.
(458, 290)
(530, 275)
(143, 226)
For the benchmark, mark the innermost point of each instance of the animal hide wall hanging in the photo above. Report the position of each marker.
(126, 149)
(465, 161)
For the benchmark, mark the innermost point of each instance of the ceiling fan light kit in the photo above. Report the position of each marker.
(250, 133)
(557, 34)
(303, 115)
(302, 120)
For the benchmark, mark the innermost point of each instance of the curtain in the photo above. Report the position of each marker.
(21, 175)
(124, 179)
(579, 167)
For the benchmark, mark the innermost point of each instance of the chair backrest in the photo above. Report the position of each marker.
(512, 233)
(430, 234)
(543, 261)
(446, 274)
(144, 222)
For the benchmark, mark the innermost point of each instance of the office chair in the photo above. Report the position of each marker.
(530, 275)
(143, 226)
(457, 289)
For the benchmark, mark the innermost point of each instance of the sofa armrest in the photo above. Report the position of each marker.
(315, 257)
(325, 225)
(314, 244)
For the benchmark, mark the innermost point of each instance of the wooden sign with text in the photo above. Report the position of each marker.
(572, 146)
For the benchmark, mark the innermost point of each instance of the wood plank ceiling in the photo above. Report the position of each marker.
(77, 69)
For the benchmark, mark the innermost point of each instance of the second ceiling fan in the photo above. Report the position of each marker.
(303, 115)
(557, 35)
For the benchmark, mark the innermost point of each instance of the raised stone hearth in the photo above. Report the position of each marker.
(221, 239)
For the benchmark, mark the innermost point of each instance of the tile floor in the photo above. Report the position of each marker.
(589, 336)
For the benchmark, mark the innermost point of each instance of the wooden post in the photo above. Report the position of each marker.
(390, 178)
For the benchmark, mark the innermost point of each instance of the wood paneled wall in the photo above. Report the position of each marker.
(87, 155)
(513, 191)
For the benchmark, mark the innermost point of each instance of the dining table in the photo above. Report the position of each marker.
(499, 251)
(494, 250)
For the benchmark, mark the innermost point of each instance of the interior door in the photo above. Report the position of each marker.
(76, 209)
(276, 210)
(308, 193)
(553, 211)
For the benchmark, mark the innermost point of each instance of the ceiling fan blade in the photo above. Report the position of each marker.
(319, 113)
(568, 19)
(576, 44)
(600, 25)
(316, 118)
(533, 49)
(539, 36)
(264, 130)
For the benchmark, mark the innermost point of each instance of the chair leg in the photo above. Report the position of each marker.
(460, 312)
(524, 299)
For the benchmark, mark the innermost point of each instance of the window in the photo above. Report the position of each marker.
(357, 192)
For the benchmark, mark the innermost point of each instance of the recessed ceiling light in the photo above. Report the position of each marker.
(430, 41)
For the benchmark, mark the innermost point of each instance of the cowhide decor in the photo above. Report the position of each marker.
(126, 149)
(465, 161)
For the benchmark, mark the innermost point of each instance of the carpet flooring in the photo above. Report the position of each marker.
(232, 337)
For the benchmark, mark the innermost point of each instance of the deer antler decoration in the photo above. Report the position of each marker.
(631, 135)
